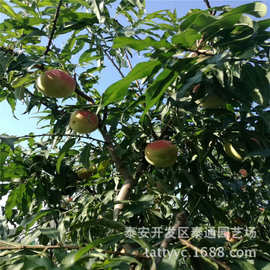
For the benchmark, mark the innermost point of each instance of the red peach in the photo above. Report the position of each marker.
(161, 153)
(83, 121)
(56, 83)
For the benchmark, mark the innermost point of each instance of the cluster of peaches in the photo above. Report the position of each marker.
(59, 84)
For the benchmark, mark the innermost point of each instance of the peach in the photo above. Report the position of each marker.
(56, 83)
(83, 121)
(161, 153)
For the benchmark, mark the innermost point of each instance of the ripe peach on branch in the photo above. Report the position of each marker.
(56, 83)
(161, 153)
(243, 172)
(83, 121)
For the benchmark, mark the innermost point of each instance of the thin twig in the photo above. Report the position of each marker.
(82, 94)
(41, 100)
(201, 52)
(189, 245)
(54, 27)
(18, 247)
(43, 247)
(130, 67)
(207, 3)
(209, 7)
(51, 135)
(112, 61)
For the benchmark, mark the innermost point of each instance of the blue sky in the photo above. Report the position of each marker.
(28, 123)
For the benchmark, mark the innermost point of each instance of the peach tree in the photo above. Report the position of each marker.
(104, 196)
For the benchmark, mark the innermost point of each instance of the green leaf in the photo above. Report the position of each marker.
(15, 198)
(257, 83)
(98, 9)
(19, 81)
(76, 256)
(78, 24)
(38, 216)
(262, 265)
(139, 45)
(6, 9)
(108, 223)
(186, 38)
(229, 19)
(141, 242)
(158, 88)
(191, 81)
(19, 92)
(85, 156)
(117, 91)
(207, 263)
(243, 265)
(87, 57)
(256, 9)
(12, 103)
(63, 152)
(4, 153)
(170, 261)
(264, 24)
(197, 20)
(154, 89)
(120, 260)
(36, 263)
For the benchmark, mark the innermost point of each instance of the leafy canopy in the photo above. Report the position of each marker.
(63, 208)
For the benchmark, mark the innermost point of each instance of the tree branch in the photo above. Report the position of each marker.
(189, 245)
(209, 6)
(41, 100)
(11, 246)
(128, 179)
(180, 220)
(207, 3)
(50, 135)
(200, 52)
(18, 247)
(82, 94)
(54, 27)
(130, 67)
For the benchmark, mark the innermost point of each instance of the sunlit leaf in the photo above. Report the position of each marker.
(117, 91)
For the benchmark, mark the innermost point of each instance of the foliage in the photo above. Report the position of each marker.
(58, 220)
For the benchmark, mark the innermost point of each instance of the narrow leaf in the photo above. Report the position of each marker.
(63, 152)
(139, 45)
(85, 156)
(186, 38)
(159, 87)
(5, 8)
(14, 198)
(117, 91)
(256, 9)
